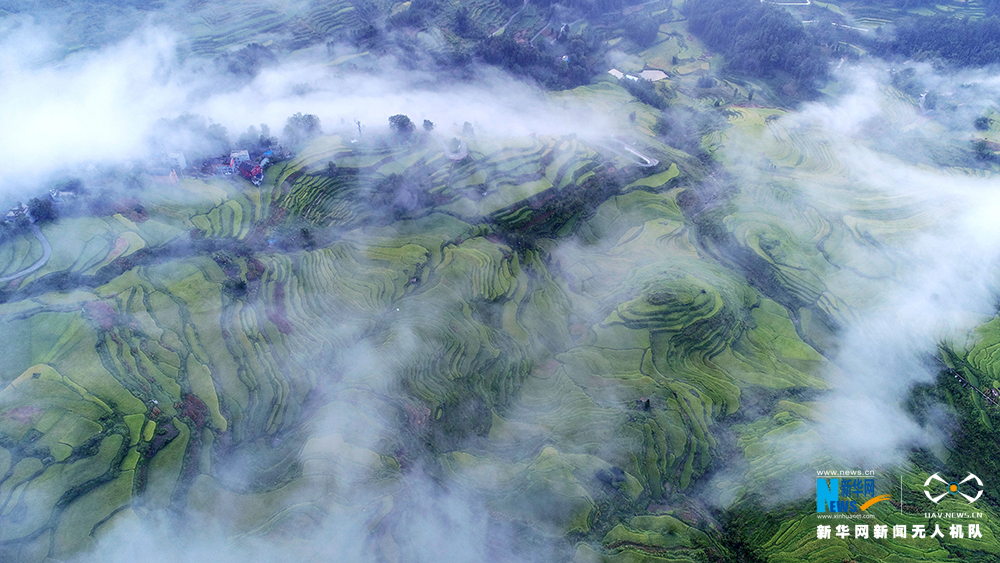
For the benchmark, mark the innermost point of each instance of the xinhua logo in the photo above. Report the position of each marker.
(952, 488)
(846, 495)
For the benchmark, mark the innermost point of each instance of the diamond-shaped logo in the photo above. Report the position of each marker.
(952, 488)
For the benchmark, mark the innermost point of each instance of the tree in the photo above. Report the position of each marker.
(266, 140)
(644, 90)
(73, 185)
(249, 60)
(256, 140)
(401, 124)
(759, 39)
(962, 41)
(194, 135)
(41, 210)
(411, 17)
(249, 139)
(983, 151)
(661, 127)
(642, 30)
(930, 100)
(982, 123)
(301, 128)
(428, 125)
(463, 23)
(218, 137)
(365, 37)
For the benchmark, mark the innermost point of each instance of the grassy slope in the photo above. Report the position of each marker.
(547, 352)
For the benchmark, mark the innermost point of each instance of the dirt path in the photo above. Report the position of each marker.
(46, 254)
(504, 26)
(650, 161)
(540, 32)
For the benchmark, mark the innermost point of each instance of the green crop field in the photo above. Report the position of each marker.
(611, 344)
(614, 342)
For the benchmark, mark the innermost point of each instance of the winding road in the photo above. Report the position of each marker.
(46, 254)
(504, 26)
(648, 160)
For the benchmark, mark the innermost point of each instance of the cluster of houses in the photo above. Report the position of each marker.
(238, 162)
(242, 163)
(15, 213)
(166, 170)
(59, 196)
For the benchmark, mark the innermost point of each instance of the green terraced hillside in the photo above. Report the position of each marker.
(543, 322)
(613, 346)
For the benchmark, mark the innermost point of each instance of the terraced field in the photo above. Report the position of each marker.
(806, 225)
(547, 326)
(515, 183)
(220, 28)
(676, 50)
(186, 369)
(872, 16)
(605, 347)
(830, 251)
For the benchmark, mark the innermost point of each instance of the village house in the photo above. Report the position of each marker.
(18, 210)
(238, 157)
(61, 196)
(251, 171)
(216, 166)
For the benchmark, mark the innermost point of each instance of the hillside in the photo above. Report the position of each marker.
(638, 342)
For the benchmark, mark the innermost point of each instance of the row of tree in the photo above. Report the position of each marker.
(248, 61)
(198, 137)
(644, 90)
(404, 126)
(542, 63)
(759, 40)
(962, 42)
(562, 63)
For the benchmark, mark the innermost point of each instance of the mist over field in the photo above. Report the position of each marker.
(585, 281)
(944, 282)
(102, 106)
